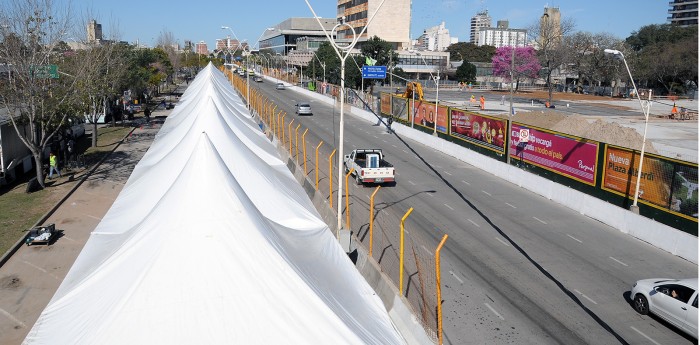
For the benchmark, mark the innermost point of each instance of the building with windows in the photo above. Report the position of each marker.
(201, 48)
(421, 64)
(391, 23)
(283, 36)
(94, 31)
(550, 24)
(502, 36)
(436, 38)
(683, 12)
(479, 21)
(228, 43)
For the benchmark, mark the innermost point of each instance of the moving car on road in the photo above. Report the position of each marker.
(279, 86)
(369, 165)
(258, 79)
(303, 109)
(674, 300)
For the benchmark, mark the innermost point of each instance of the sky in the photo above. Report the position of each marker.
(145, 20)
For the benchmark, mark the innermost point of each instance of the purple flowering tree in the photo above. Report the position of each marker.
(526, 65)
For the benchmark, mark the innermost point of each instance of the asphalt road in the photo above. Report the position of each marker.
(517, 268)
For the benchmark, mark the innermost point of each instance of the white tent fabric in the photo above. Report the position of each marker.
(212, 241)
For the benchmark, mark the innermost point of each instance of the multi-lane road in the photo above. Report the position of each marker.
(517, 268)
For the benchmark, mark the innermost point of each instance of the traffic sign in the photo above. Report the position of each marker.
(374, 72)
(44, 71)
(524, 135)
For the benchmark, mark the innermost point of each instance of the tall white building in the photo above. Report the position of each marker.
(479, 21)
(436, 38)
(391, 23)
(502, 36)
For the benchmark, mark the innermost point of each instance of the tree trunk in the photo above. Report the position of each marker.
(38, 162)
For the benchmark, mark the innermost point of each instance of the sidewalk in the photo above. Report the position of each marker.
(32, 275)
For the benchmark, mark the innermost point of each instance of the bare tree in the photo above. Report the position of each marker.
(585, 56)
(548, 36)
(34, 96)
(167, 42)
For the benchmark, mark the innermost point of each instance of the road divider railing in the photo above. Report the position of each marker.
(402, 250)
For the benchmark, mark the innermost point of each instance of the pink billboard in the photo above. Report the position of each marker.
(568, 156)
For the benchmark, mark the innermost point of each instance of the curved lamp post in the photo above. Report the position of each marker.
(646, 108)
(343, 53)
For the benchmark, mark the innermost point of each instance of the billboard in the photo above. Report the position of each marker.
(425, 116)
(488, 132)
(565, 155)
(385, 104)
(399, 108)
(663, 182)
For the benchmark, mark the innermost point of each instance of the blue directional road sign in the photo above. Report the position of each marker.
(374, 72)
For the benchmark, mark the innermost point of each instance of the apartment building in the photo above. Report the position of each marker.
(391, 23)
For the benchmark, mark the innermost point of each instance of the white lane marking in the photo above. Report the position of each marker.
(467, 183)
(404, 151)
(426, 250)
(510, 205)
(540, 220)
(586, 297)
(375, 137)
(457, 277)
(487, 193)
(439, 167)
(494, 311)
(385, 141)
(644, 335)
(394, 146)
(9, 316)
(502, 241)
(93, 217)
(367, 196)
(39, 268)
(618, 261)
(471, 221)
(411, 182)
(448, 206)
(68, 238)
(574, 238)
(447, 173)
(430, 195)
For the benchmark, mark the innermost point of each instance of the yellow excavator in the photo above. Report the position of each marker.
(412, 87)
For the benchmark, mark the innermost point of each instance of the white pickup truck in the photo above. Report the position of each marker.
(369, 165)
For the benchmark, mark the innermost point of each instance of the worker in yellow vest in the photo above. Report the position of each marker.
(53, 165)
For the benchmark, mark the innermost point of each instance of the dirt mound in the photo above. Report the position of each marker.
(598, 130)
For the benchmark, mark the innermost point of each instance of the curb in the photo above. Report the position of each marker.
(8, 254)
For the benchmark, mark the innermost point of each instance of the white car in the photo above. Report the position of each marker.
(304, 109)
(674, 300)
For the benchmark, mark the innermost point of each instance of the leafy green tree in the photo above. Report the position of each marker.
(380, 50)
(665, 56)
(470, 52)
(466, 72)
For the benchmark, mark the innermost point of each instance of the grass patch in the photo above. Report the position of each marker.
(20, 211)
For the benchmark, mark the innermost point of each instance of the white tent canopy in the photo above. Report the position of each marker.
(212, 241)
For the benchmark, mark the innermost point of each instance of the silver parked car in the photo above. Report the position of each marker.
(674, 300)
(304, 109)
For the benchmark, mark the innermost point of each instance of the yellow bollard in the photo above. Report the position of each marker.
(290, 136)
(371, 219)
(283, 116)
(439, 290)
(296, 143)
(347, 198)
(401, 250)
(317, 147)
(303, 141)
(330, 177)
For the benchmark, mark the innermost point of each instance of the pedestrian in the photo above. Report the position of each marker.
(389, 121)
(503, 99)
(147, 113)
(53, 165)
(674, 111)
(472, 101)
(482, 103)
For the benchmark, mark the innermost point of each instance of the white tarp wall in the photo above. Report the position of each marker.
(212, 241)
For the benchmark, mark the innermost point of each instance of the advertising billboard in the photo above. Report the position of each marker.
(399, 108)
(481, 130)
(386, 103)
(566, 155)
(663, 182)
(425, 116)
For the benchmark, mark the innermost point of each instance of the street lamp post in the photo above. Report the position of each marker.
(323, 64)
(343, 53)
(437, 92)
(510, 111)
(646, 108)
